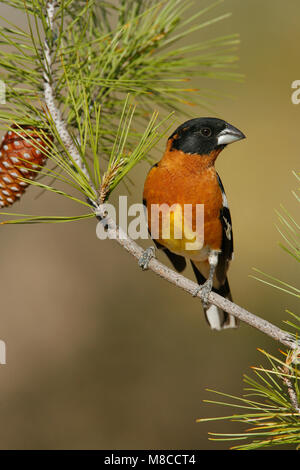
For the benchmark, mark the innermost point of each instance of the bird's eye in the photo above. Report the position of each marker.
(206, 132)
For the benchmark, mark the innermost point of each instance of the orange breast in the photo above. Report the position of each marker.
(181, 178)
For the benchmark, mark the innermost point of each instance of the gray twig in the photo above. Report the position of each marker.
(116, 233)
(49, 95)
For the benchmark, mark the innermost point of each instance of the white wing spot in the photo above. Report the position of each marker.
(228, 228)
(224, 200)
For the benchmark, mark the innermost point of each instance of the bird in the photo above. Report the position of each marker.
(186, 177)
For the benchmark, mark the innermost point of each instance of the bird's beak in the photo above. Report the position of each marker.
(229, 134)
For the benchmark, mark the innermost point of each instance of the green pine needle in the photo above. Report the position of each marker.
(271, 421)
(101, 53)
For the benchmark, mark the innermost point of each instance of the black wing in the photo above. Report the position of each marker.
(227, 238)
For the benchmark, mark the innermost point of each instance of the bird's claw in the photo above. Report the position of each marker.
(147, 255)
(205, 290)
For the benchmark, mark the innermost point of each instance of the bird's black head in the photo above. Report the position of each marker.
(204, 135)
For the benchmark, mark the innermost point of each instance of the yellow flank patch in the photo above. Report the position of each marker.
(176, 229)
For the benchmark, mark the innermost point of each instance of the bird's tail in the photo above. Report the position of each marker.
(215, 316)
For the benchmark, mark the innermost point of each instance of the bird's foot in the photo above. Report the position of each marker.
(147, 255)
(205, 290)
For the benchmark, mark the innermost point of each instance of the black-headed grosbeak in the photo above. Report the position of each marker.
(186, 175)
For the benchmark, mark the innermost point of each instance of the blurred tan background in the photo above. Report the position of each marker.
(102, 355)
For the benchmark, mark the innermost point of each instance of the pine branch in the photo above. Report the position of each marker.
(50, 96)
(108, 61)
(116, 233)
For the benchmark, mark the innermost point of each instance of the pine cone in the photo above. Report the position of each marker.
(19, 155)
